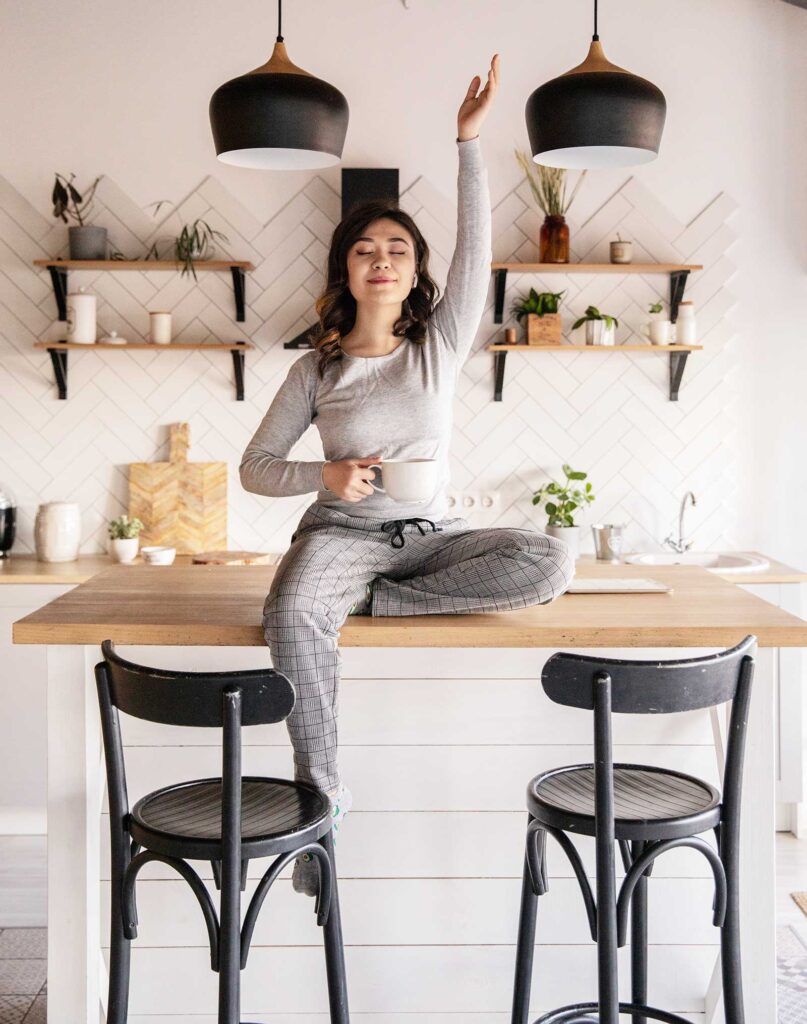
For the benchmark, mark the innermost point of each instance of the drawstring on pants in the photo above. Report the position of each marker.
(395, 527)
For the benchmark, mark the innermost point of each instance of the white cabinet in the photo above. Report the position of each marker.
(791, 707)
(23, 725)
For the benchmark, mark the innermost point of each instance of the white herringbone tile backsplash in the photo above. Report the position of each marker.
(607, 414)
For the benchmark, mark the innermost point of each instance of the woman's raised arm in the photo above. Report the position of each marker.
(458, 313)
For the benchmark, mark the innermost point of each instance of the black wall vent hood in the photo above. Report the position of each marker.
(359, 185)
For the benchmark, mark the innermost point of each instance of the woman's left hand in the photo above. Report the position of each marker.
(475, 108)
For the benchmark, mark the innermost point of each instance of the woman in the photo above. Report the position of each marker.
(382, 378)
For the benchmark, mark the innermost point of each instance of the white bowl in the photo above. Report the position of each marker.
(158, 555)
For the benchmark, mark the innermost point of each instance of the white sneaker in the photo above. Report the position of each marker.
(305, 877)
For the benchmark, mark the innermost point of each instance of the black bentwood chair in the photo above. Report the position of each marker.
(227, 821)
(647, 811)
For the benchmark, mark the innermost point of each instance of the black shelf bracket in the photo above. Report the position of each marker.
(678, 283)
(678, 361)
(59, 360)
(239, 290)
(498, 366)
(303, 339)
(58, 277)
(238, 369)
(498, 308)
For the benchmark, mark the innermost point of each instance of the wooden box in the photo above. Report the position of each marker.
(543, 330)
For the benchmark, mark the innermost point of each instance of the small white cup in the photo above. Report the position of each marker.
(658, 332)
(408, 480)
(160, 328)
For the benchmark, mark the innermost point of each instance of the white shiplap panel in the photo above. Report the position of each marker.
(416, 979)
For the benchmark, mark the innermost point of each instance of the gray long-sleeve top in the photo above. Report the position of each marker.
(397, 405)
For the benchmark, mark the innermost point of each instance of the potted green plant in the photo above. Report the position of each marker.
(543, 318)
(561, 502)
(548, 185)
(87, 241)
(600, 327)
(193, 243)
(658, 330)
(124, 535)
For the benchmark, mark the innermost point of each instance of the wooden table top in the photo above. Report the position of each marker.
(221, 605)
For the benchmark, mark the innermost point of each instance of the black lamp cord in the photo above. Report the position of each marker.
(280, 21)
(596, 35)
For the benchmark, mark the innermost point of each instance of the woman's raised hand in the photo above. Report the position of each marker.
(349, 478)
(474, 109)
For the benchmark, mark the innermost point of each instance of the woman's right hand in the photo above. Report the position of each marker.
(348, 478)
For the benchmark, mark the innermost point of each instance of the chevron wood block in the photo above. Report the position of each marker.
(181, 504)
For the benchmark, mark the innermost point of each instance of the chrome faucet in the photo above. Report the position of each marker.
(678, 545)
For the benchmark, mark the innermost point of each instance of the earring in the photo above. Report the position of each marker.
(414, 280)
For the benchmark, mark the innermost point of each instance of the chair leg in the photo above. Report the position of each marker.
(638, 939)
(334, 948)
(120, 948)
(730, 963)
(230, 947)
(524, 949)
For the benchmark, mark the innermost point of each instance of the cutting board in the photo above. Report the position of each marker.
(182, 504)
(236, 558)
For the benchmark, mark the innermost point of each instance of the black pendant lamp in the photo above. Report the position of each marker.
(596, 115)
(278, 117)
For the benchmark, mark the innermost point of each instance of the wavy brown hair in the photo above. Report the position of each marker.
(336, 307)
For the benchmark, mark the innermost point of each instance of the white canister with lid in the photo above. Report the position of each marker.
(57, 531)
(686, 330)
(80, 318)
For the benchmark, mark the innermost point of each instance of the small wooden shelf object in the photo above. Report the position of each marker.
(678, 357)
(58, 356)
(59, 270)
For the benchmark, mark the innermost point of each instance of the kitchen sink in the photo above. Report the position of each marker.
(717, 561)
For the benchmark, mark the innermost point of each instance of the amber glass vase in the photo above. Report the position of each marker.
(554, 240)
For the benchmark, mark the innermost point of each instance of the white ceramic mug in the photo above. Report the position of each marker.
(658, 332)
(411, 480)
(160, 328)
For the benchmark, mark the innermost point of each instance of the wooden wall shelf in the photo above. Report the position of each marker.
(59, 271)
(678, 359)
(58, 356)
(679, 273)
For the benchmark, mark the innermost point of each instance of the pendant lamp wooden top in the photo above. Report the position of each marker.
(595, 61)
(280, 64)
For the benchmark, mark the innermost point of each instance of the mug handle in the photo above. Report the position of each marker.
(370, 482)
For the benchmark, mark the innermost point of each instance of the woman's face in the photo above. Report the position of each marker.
(381, 264)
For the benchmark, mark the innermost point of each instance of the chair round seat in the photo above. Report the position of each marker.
(649, 803)
(184, 820)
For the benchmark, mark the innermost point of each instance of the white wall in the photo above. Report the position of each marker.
(123, 90)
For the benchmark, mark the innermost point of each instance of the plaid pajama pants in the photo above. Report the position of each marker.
(416, 568)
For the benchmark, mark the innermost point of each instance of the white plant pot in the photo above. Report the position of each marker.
(125, 550)
(599, 333)
(570, 535)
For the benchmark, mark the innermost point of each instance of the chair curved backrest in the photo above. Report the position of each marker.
(193, 698)
(648, 687)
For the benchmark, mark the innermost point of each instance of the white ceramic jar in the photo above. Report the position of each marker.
(57, 531)
(686, 330)
(160, 328)
(81, 325)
